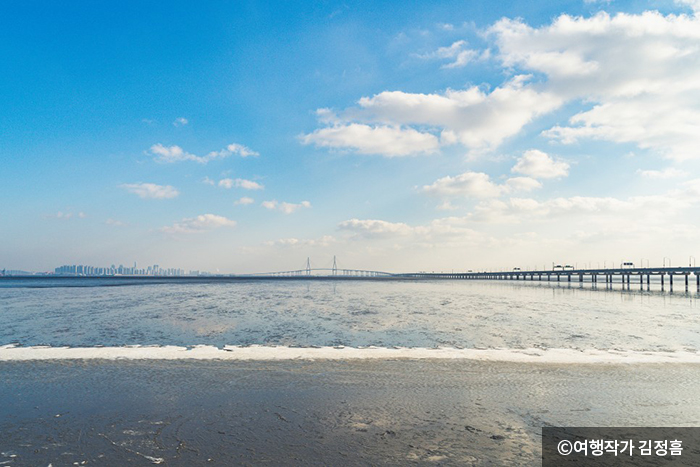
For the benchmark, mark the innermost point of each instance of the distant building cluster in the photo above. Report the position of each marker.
(121, 270)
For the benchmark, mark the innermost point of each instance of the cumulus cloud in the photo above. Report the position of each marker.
(521, 184)
(151, 190)
(198, 224)
(240, 183)
(441, 230)
(390, 141)
(591, 209)
(287, 208)
(181, 121)
(244, 201)
(171, 154)
(478, 185)
(538, 164)
(375, 228)
(480, 120)
(640, 73)
(635, 79)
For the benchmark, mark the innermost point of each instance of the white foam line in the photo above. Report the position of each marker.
(263, 353)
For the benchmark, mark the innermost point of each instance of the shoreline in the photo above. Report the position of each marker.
(283, 353)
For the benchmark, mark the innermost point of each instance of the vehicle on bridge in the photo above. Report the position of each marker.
(626, 265)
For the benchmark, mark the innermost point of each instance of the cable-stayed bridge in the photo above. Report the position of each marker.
(333, 271)
(626, 275)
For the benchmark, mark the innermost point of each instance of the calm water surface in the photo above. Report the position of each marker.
(470, 314)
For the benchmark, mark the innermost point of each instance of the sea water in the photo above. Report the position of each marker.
(386, 314)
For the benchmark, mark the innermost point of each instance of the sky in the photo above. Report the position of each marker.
(405, 136)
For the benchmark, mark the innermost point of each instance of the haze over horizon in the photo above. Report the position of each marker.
(247, 136)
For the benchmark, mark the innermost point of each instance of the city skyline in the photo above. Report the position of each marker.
(157, 270)
(242, 138)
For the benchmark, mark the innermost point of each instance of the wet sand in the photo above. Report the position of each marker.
(397, 412)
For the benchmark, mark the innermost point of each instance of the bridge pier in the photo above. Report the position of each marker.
(686, 282)
(580, 277)
(670, 281)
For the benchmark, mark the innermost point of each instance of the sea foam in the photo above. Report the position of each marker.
(269, 353)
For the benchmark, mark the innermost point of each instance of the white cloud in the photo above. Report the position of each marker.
(324, 241)
(693, 4)
(478, 185)
(171, 154)
(240, 183)
(198, 224)
(375, 228)
(446, 206)
(473, 184)
(151, 190)
(637, 77)
(473, 117)
(241, 150)
(521, 184)
(390, 141)
(439, 230)
(208, 181)
(182, 121)
(244, 201)
(666, 173)
(456, 52)
(640, 73)
(589, 210)
(287, 208)
(538, 164)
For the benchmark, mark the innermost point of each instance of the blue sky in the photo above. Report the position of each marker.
(246, 136)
